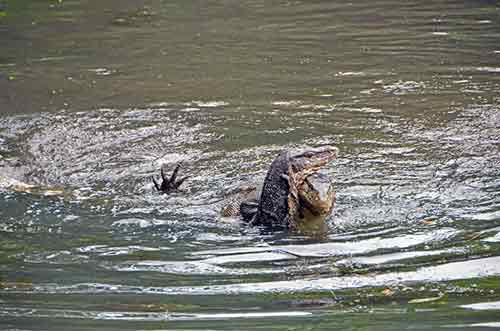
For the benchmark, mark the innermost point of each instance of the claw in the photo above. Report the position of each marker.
(174, 173)
(169, 184)
(156, 184)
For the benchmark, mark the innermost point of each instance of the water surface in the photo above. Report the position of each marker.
(95, 98)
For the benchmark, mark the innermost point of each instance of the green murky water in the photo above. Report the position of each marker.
(96, 96)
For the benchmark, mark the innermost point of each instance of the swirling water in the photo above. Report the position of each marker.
(407, 91)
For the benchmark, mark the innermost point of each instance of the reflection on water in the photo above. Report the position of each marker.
(408, 93)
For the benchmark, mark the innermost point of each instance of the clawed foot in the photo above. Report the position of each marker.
(169, 184)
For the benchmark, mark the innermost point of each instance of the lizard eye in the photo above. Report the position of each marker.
(305, 154)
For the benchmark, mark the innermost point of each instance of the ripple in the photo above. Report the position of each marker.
(62, 257)
(366, 246)
(102, 71)
(86, 145)
(495, 325)
(440, 33)
(203, 268)
(493, 239)
(137, 222)
(142, 316)
(252, 315)
(478, 268)
(488, 69)
(483, 306)
(350, 73)
(398, 257)
(210, 104)
(403, 87)
(483, 216)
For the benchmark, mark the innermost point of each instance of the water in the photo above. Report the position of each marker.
(96, 97)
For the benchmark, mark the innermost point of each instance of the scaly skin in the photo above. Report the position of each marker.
(316, 197)
(316, 201)
(279, 203)
(232, 205)
(294, 195)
